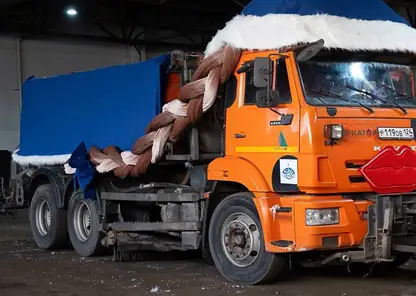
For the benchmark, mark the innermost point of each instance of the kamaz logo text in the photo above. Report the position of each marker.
(379, 148)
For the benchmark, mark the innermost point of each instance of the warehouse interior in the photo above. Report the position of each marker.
(303, 170)
(47, 37)
(39, 37)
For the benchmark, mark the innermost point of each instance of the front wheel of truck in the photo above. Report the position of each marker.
(83, 226)
(236, 243)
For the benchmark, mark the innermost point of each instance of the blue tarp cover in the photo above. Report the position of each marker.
(109, 106)
(358, 9)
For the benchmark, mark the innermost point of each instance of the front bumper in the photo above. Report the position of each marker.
(369, 226)
(391, 227)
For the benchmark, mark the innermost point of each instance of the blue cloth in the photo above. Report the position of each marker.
(371, 10)
(102, 107)
(85, 172)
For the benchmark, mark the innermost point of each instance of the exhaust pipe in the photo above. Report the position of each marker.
(345, 258)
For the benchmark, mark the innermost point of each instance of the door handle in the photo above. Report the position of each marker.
(239, 136)
(285, 119)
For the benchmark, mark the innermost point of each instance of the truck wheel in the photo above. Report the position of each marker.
(47, 221)
(83, 226)
(236, 243)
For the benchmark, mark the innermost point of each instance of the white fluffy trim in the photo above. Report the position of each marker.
(274, 31)
(38, 160)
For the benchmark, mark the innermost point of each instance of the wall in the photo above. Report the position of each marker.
(9, 95)
(171, 37)
(155, 51)
(46, 58)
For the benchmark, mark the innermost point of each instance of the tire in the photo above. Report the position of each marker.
(85, 239)
(265, 267)
(47, 221)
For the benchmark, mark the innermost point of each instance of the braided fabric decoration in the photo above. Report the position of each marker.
(195, 98)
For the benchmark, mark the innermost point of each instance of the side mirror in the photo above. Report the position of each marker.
(266, 100)
(245, 67)
(310, 51)
(262, 72)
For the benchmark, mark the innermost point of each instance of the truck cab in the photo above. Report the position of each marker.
(325, 143)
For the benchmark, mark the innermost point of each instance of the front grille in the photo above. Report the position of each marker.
(357, 179)
(351, 165)
(355, 164)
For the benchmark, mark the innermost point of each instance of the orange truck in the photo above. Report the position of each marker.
(308, 156)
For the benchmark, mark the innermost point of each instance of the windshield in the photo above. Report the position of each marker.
(346, 84)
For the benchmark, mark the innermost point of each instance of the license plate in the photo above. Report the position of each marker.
(396, 133)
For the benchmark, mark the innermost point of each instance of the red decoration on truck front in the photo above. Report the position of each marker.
(391, 171)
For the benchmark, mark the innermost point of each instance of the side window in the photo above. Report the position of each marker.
(282, 82)
(282, 85)
(250, 96)
(230, 91)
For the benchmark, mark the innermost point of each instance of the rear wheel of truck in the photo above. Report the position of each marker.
(83, 226)
(47, 221)
(236, 243)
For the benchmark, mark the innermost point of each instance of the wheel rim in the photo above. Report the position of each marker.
(43, 217)
(240, 239)
(82, 221)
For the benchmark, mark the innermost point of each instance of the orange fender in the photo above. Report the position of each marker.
(239, 170)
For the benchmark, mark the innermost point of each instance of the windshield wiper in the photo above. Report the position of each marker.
(340, 97)
(318, 93)
(374, 97)
(397, 94)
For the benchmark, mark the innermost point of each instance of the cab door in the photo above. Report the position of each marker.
(267, 137)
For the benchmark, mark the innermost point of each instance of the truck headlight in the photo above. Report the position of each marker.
(315, 217)
(333, 131)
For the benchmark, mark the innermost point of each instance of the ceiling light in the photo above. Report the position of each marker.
(71, 12)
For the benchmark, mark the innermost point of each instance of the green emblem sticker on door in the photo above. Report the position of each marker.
(282, 140)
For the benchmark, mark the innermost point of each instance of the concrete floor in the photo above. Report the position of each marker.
(26, 270)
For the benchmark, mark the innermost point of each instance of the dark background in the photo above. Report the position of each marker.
(189, 24)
